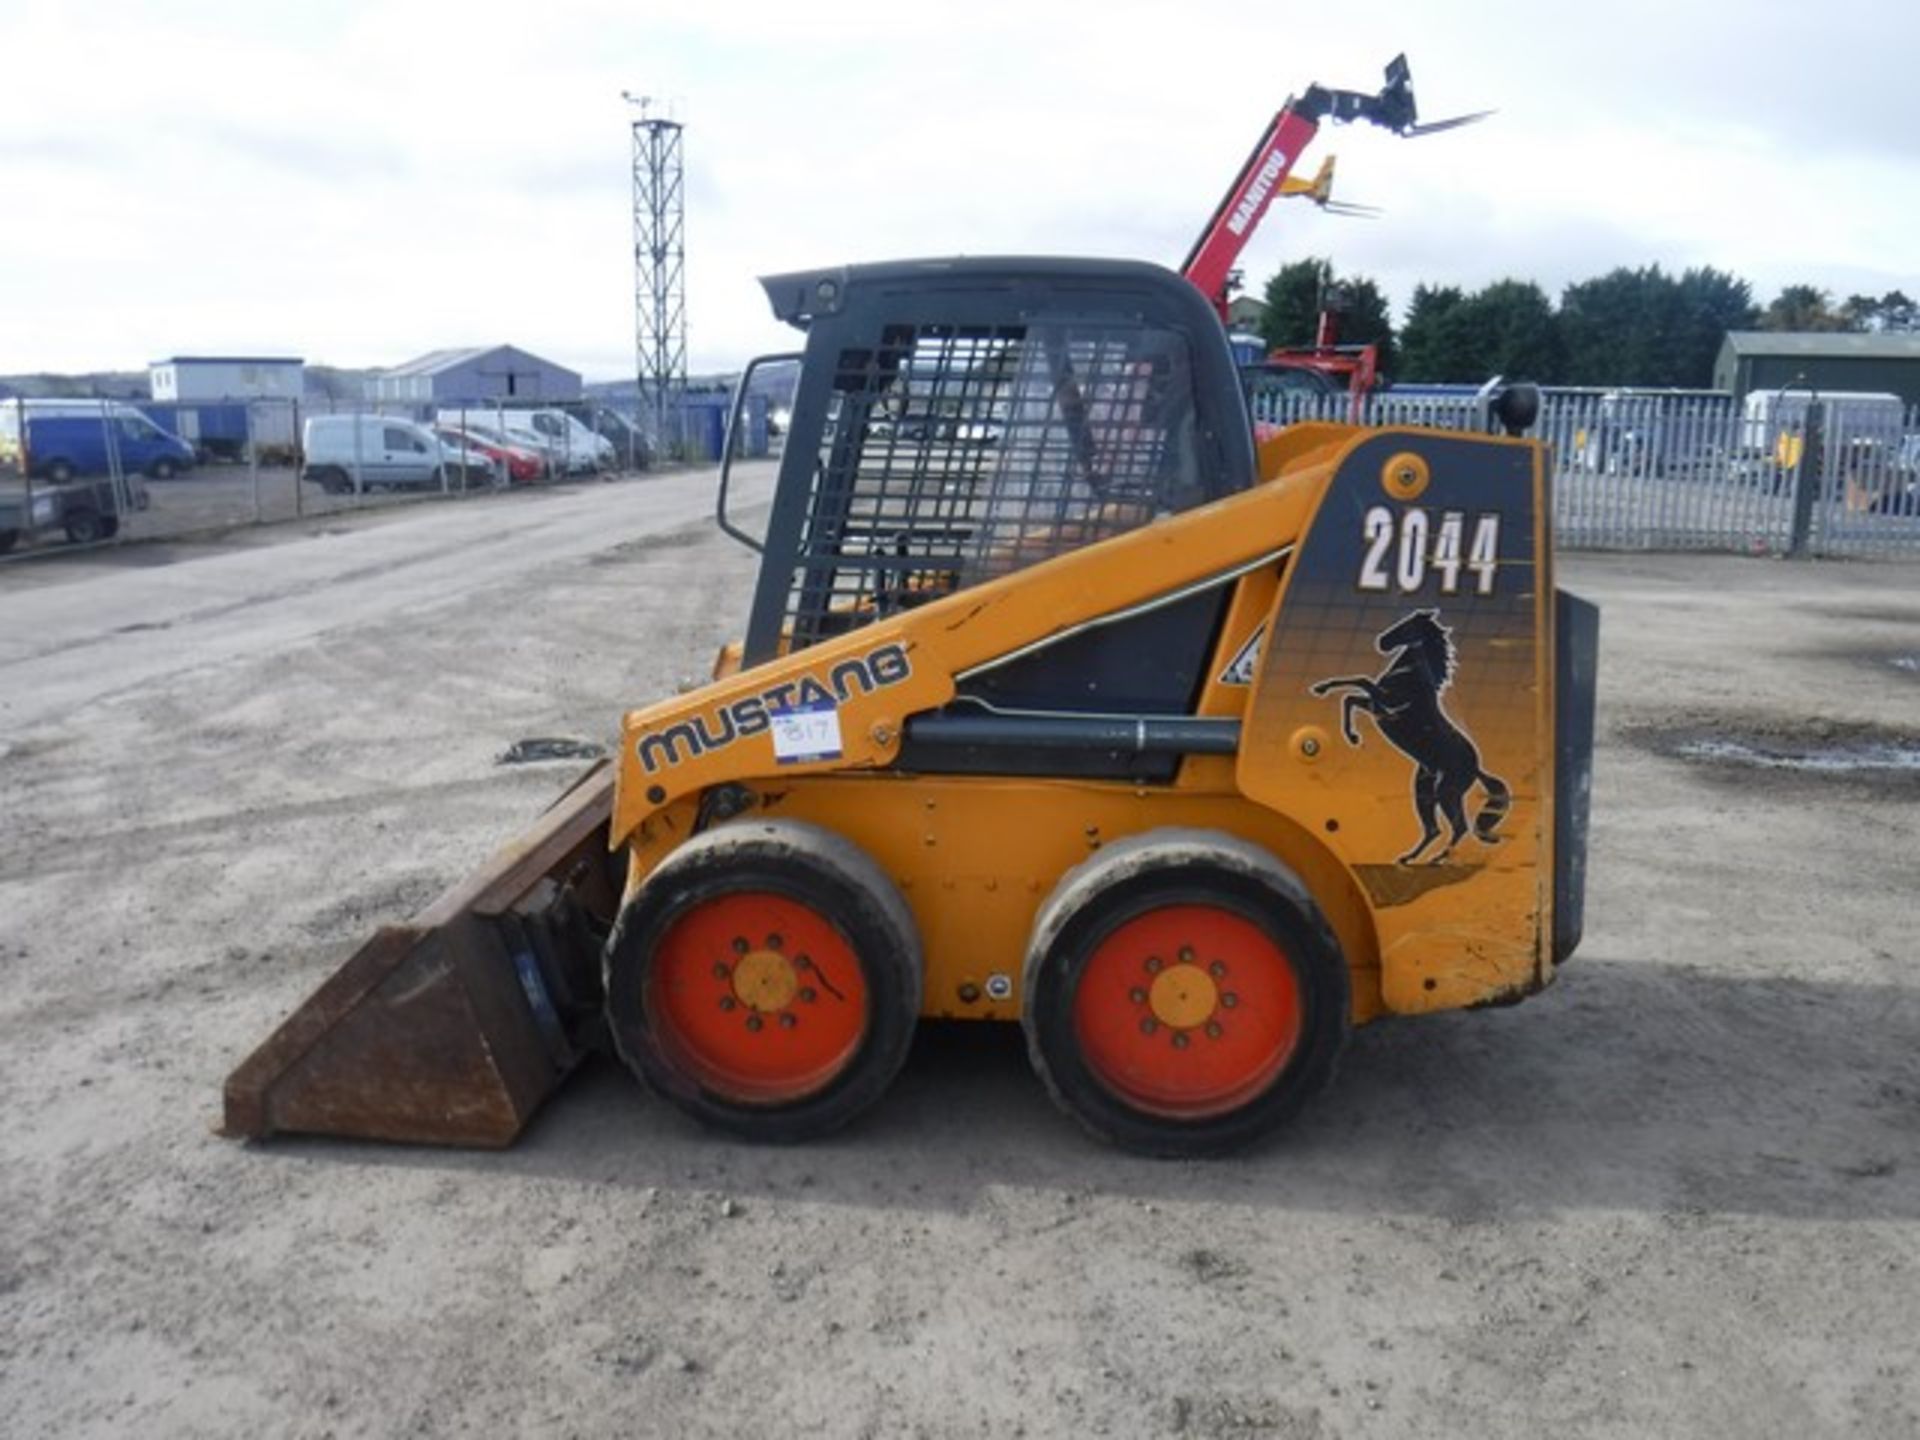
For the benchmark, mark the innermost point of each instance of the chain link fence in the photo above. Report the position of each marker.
(1787, 473)
(1791, 473)
(86, 472)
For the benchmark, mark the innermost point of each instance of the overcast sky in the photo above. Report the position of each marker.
(359, 183)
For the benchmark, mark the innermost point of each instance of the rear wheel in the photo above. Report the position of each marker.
(164, 469)
(85, 527)
(766, 980)
(1184, 995)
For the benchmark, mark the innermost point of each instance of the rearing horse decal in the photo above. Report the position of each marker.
(1404, 701)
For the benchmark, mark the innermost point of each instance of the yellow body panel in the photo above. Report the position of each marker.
(1443, 947)
(976, 856)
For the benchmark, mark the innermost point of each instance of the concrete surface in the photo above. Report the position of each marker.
(1678, 1194)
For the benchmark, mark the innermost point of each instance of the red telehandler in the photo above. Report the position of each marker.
(1210, 264)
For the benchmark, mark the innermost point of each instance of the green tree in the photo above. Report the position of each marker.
(1518, 335)
(1292, 300)
(1801, 307)
(1620, 328)
(1646, 327)
(1711, 302)
(1434, 344)
(1859, 312)
(1508, 328)
(1891, 311)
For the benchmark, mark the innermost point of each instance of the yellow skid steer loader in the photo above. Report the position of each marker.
(1058, 703)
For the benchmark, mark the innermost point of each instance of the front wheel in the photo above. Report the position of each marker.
(766, 979)
(88, 527)
(1184, 995)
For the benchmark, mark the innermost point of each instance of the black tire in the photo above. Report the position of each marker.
(60, 472)
(803, 868)
(1250, 893)
(8, 539)
(164, 470)
(87, 527)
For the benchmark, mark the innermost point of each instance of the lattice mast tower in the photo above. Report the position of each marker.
(659, 269)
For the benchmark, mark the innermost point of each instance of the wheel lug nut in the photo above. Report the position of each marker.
(1214, 1032)
(720, 972)
(1137, 995)
(773, 942)
(727, 1002)
(740, 945)
(802, 962)
(1186, 954)
(754, 1022)
(1218, 970)
(788, 1019)
(1179, 1039)
(1229, 999)
(1149, 1025)
(1153, 964)
(807, 994)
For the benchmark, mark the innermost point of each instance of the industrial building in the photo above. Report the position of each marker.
(222, 403)
(479, 375)
(1820, 359)
(226, 377)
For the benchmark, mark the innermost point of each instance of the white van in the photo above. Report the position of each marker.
(370, 452)
(1773, 421)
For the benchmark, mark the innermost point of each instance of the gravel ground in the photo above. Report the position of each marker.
(1677, 1194)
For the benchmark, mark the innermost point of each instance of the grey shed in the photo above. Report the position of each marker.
(1825, 360)
(482, 373)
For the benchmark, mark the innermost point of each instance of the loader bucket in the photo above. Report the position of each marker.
(452, 1028)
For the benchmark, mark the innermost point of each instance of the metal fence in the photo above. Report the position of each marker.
(1787, 474)
(82, 472)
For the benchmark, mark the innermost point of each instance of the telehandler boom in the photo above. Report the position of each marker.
(1265, 175)
(1058, 704)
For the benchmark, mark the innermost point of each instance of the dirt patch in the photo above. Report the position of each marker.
(1873, 614)
(633, 550)
(537, 748)
(1817, 751)
(1846, 758)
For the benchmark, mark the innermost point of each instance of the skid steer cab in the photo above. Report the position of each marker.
(1057, 704)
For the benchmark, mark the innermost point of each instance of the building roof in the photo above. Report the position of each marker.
(229, 360)
(1826, 344)
(434, 362)
(438, 362)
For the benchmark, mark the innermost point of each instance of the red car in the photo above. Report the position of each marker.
(522, 466)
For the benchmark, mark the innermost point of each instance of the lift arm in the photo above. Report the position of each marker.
(1210, 263)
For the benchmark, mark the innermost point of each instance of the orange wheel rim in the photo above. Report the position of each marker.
(1187, 1011)
(756, 997)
